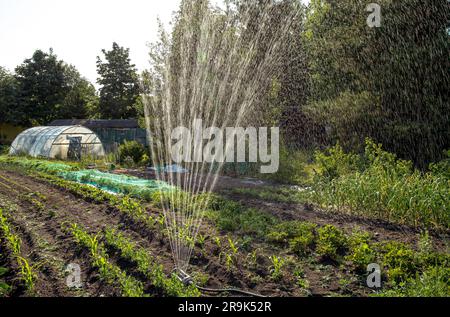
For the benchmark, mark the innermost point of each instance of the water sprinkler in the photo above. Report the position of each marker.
(185, 278)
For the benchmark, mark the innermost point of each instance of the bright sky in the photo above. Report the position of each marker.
(78, 30)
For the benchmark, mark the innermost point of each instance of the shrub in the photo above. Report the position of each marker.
(442, 168)
(432, 283)
(361, 252)
(291, 169)
(399, 260)
(4, 149)
(334, 162)
(330, 242)
(131, 150)
(299, 235)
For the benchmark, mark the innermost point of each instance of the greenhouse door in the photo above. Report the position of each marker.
(74, 152)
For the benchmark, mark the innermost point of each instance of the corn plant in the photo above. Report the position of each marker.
(170, 286)
(276, 268)
(27, 274)
(130, 287)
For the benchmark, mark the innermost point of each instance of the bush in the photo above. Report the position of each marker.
(131, 152)
(4, 149)
(432, 283)
(331, 242)
(299, 235)
(399, 261)
(442, 168)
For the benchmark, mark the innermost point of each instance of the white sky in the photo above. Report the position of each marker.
(78, 30)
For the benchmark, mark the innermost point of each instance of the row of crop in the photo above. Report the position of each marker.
(379, 185)
(171, 286)
(133, 209)
(26, 272)
(110, 273)
(52, 167)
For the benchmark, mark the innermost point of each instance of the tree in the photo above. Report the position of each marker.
(8, 96)
(386, 83)
(119, 84)
(81, 99)
(42, 85)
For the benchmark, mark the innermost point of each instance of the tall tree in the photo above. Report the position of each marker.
(119, 84)
(382, 82)
(8, 97)
(81, 98)
(42, 84)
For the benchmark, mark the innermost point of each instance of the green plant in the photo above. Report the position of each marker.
(201, 241)
(217, 242)
(232, 216)
(131, 151)
(425, 243)
(331, 241)
(431, 283)
(27, 274)
(277, 264)
(112, 274)
(5, 288)
(384, 188)
(362, 255)
(287, 232)
(146, 265)
(399, 260)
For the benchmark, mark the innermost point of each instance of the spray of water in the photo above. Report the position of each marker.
(216, 66)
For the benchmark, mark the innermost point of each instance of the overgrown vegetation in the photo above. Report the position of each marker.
(379, 185)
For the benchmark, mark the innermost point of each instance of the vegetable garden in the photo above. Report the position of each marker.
(269, 241)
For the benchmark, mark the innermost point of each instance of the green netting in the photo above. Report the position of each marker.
(117, 183)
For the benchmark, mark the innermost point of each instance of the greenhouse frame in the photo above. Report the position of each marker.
(58, 142)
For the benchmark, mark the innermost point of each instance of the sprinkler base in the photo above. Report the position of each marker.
(185, 278)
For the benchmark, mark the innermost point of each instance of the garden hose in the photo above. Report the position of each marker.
(186, 279)
(229, 290)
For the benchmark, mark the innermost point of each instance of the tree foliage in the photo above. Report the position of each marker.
(386, 83)
(42, 86)
(119, 84)
(43, 89)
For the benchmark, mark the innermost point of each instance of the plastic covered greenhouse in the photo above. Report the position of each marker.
(64, 142)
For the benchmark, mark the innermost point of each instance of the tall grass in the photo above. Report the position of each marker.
(379, 185)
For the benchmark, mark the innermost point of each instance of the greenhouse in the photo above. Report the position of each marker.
(62, 142)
